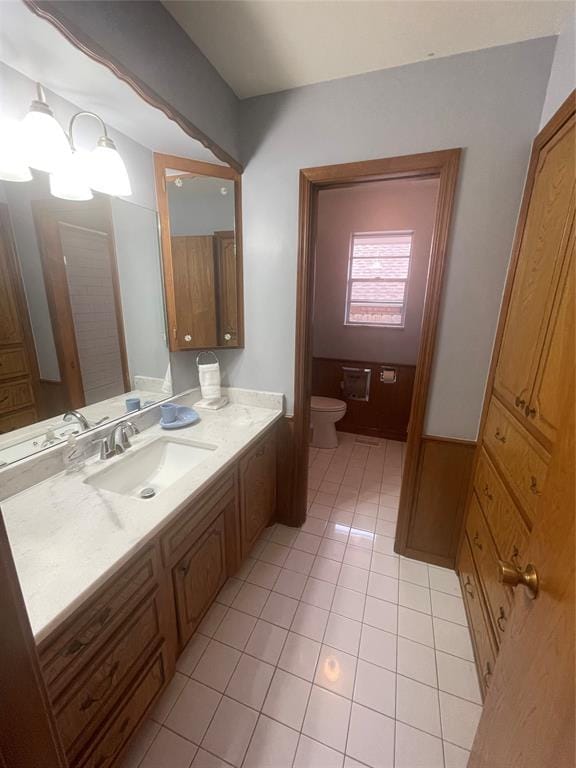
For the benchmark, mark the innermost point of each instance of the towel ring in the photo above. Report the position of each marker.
(206, 352)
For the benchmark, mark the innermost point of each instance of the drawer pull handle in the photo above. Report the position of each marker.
(534, 486)
(519, 402)
(468, 588)
(76, 645)
(476, 540)
(499, 436)
(501, 620)
(530, 412)
(487, 674)
(487, 492)
(107, 683)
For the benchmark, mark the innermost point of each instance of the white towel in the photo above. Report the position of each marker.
(167, 383)
(209, 375)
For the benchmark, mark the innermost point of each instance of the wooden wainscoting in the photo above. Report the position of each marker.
(435, 519)
(387, 412)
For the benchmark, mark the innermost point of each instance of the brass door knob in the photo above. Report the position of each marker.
(512, 576)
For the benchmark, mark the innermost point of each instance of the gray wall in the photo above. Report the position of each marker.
(489, 103)
(563, 74)
(145, 38)
(199, 208)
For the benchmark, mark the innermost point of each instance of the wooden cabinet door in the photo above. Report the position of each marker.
(194, 292)
(542, 246)
(557, 357)
(199, 576)
(226, 267)
(257, 490)
(10, 327)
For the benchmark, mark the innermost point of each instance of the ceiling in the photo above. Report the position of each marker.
(262, 46)
(35, 48)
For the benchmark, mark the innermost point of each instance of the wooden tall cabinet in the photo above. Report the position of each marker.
(522, 415)
(17, 358)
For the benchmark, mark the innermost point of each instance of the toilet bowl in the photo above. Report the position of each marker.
(324, 413)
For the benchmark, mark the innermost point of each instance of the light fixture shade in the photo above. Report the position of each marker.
(69, 181)
(107, 172)
(45, 143)
(13, 165)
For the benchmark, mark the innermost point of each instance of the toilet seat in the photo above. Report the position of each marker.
(326, 404)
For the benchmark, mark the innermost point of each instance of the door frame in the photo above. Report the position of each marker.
(441, 164)
(46, 218)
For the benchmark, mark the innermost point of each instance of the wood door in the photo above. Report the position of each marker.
(257, 490)
(11, 331)
(198, 577)
(528, 718)
(194, 292)
(542, 247)
(227, 271)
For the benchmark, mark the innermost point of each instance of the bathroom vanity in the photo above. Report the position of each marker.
(115, 585)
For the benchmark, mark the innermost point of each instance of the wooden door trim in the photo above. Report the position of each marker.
(556, 122)
(93, 50)
(442, 164)
(196, 168)
(58, 296)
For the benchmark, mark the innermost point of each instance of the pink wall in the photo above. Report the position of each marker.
(378, 206)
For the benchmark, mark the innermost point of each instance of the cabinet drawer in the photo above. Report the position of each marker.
(257, 490)
(16, 420)
(129, 714)
(84, 705)
(199, 576)
(486, 559)
(522, 462)
(508, 528)
(13, 362)
(16, 394)
(64, 654)
(483, 639)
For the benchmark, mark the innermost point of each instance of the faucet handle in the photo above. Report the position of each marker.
(105, 450)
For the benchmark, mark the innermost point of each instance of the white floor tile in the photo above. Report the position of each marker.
(284, 535)
(287, 699)
(371, 738)
(263, 574)
(327, 718)
(165, 703)
(378, 647)
(358, 557)
(361, 539)
(279, 610)
(416, 661)
(325, 569)
(375, 688)
(349, 603)
(381, 614)
(251, 598)
(415, 749)
(415, 626)
(444, 580)
(417, 705)
(191, 654)
(385, 564)
(235, 629)
(212, 619)
(343, 633)
(290, 583)
(275, 553)
(414, 596)
(455, 757)
(273, 745)
(310, 621)
(230, 731)
(321, 511)
(192, 713)
(364, 522)
(368, 508)
(453, 638)
(386, 528)
(299, 561)
(266, 642)
(384, 545)
(458, 676)
(414, 571)
(314, 525)
(448, 607)
(300, 656)
(250, 681)
(204, 759)
(140, 744)
(318, 593)
(169, 750)
(335, 671)
(216, 666)
(342, 517)
(229, 591)
(307, 542)
(312, 754)
(459, 720)
(383, 587)
(355, 578)
(333, 550)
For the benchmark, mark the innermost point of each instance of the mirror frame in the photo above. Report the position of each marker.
(198, 168)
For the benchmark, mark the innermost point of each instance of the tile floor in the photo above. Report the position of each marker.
(327, 650)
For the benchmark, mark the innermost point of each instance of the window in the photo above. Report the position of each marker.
(378, 278)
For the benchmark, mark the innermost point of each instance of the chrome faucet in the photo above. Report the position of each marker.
(82, 421)
(118, 440)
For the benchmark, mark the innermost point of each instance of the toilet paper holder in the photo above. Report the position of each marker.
(387, 375)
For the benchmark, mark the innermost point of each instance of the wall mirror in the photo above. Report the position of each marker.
(200, 218)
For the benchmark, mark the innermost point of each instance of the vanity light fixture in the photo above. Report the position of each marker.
(45, 144)
(13, 165)
(69, 181)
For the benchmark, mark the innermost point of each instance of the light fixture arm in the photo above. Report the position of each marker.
(104, 140)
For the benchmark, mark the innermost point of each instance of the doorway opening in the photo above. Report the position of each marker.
(375, 301)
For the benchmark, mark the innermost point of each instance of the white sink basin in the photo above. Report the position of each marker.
(156, 466)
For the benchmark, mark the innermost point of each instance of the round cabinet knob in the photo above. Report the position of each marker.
(512, 576)
(227, 336)
(187, 337)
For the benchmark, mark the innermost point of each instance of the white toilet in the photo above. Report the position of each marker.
(324, 413)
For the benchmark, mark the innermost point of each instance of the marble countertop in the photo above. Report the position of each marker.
(68, 537)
